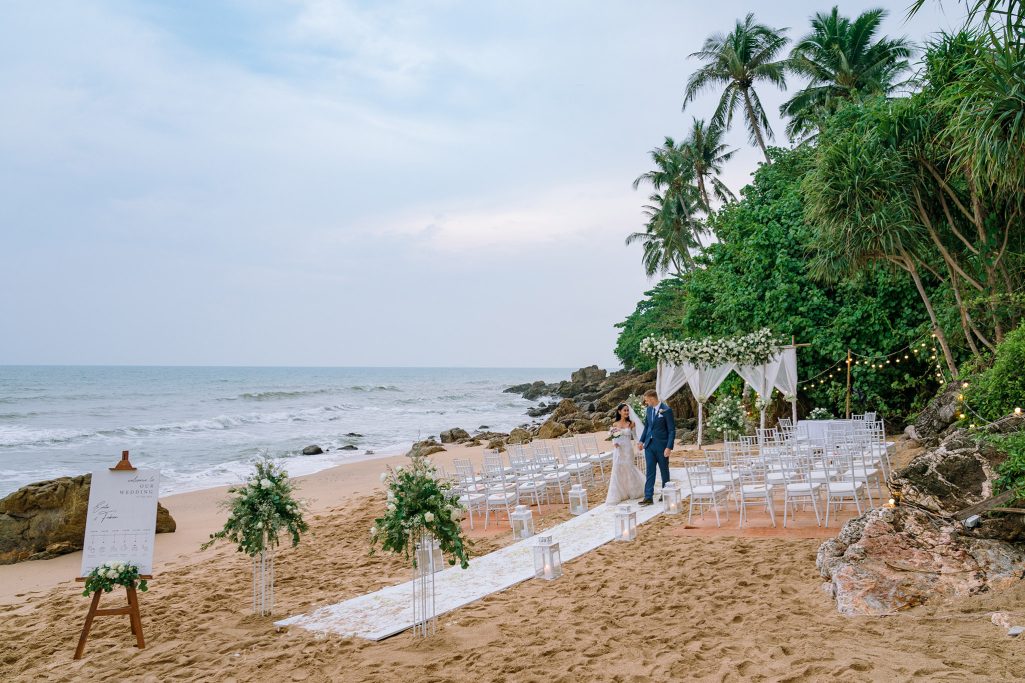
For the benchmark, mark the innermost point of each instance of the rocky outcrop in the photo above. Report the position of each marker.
(519, 435)
(592, 374)
(313, 450)
(425, 447)
(453, 435)
(552, 429)
(47, 519)
(936, 417)
(894, 558)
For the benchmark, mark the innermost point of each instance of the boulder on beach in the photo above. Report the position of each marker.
(47, 519)
(313, 450)
(454, 434)
(551, 430)
(425, 447)
(566, 408)
(518, 435)
(890, 559)
(936, 417)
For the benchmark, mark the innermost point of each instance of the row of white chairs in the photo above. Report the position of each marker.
(528, 474)
(756, 470)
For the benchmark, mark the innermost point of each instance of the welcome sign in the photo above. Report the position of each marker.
(122, 519)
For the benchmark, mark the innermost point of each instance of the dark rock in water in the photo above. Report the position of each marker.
(425, 447)
(348, 447)
(454, 434)
(354, 435)
(936, 417)
(47, 519)
(313, 450)
(537, 390)
(482, 428)
(368, 452)
(541, 410)
(518, 388)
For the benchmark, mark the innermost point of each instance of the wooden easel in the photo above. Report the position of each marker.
(132, 610)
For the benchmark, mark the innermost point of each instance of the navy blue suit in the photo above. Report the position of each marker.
(658, 435)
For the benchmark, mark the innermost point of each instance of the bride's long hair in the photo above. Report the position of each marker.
(619, 414)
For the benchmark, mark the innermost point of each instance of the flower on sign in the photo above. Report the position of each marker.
(109, 575)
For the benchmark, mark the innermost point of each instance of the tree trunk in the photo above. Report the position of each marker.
(937, 330)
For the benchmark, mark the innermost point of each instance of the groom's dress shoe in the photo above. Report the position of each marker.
(646, 501)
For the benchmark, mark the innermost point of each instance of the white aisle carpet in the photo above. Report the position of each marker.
(390, 610)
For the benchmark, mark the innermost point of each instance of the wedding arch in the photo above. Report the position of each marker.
(702, 364)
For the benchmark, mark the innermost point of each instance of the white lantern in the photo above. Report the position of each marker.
(626, 523)
(522, 521)
(547, 561)
(672, 498)
(577, 499)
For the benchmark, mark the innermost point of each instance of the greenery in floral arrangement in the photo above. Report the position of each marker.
(755, 348)
(419, 503)
(112, 574)
(638, 406)
(261, 510)
(727, 417)
(820, 414)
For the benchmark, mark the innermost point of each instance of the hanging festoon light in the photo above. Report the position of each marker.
(626, 523)
(672, 498)
(522, 521)
(577, 499)
(547, 561)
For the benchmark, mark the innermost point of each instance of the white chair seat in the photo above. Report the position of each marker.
(754, 490)
(708, 490)
(803, 487)
(845, 487)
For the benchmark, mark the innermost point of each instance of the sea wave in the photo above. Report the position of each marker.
(275, 395)
(17, 436)
(379, 387)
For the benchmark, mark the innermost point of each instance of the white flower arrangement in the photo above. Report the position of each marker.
(789, 398)
(755, 348)
(110, 574)
(820, 414)
(727, 418)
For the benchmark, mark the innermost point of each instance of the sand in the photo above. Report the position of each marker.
(680, 603)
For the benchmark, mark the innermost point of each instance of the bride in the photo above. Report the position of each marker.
(627, 481)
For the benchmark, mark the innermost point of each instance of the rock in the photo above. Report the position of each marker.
(313, 450)
(581, 427)
(518, 435)
(565, 408)
(1015, 631)
(551, 430)
(937, 416)
(348, 447)
(1002, 619)
(891, 559)
(537, 390)
(541, 410)
(368, 452)
(454, 434)
(425, 447)
(47, 519)
(483, 428)
(592, 374)
(497, 445)
(354, 435)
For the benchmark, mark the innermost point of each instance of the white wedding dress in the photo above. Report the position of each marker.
(626, 482)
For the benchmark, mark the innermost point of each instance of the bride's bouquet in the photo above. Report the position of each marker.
(616, 432)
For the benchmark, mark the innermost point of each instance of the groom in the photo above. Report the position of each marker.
(657, 439)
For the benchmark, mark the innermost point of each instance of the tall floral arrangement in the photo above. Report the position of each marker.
(637, 404)
(261, 511)
(419, 504)
(728, 417)
(755, 348)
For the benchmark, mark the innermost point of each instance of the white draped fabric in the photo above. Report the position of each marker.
(671, 379)
(786, 378)
(703, 381)
(761, 378)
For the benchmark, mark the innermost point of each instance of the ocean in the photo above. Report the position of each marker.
(203, 426)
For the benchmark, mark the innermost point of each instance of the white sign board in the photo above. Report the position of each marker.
(122, 519)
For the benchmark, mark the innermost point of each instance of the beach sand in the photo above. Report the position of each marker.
(680, 603)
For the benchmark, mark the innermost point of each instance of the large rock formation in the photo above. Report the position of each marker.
(936, 417)
(426, 447)
(894, 558)
(453, 435)
(47, 519)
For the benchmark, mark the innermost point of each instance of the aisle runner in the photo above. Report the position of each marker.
(390, 610)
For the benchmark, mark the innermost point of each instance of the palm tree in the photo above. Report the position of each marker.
(735, 62)
(841, 59)
(706, 152)
(673, 228)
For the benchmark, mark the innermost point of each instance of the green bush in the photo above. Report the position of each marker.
(997, 391)
(1012, 470)
(727, 418)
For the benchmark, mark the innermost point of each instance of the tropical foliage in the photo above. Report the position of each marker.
(1000, 388)
(419, 504)
(260, 511)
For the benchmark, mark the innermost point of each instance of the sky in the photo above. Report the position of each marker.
(335, 183)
